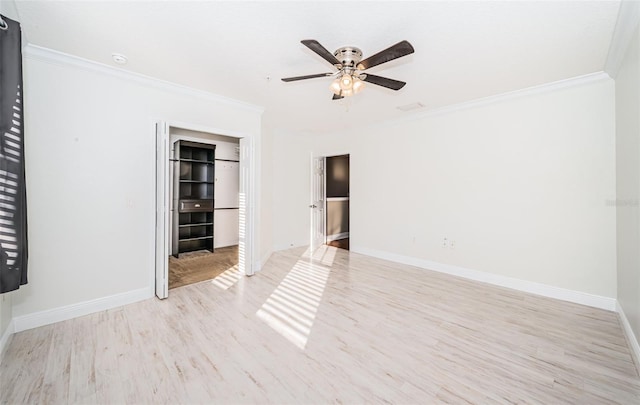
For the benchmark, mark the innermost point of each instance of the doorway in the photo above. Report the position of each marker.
(337, 196)
(330, 199)
(203, 241)
(245, 223)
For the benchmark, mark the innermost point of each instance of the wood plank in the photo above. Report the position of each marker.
(202, 265)
(375, 331)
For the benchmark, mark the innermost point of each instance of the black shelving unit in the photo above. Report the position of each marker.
(193, 202)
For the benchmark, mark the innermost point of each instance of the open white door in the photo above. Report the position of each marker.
(162, 210)
(317, 203)
(245, 245)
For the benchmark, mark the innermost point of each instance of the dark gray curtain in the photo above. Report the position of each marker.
(13, 201)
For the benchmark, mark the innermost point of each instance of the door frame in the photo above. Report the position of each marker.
(324, 155)
(318, 186)
(249, 161)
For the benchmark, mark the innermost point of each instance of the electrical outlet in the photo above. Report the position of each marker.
(445, 242)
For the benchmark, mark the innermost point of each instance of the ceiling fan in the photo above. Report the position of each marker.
(348, 60)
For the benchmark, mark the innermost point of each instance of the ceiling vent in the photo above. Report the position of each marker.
(409, 107)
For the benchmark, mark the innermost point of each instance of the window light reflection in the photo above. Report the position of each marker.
(228, 278)
(292, 307)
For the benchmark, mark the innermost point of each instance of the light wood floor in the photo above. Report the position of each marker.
(339, 328)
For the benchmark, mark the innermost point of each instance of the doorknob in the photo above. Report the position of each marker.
(313, 206)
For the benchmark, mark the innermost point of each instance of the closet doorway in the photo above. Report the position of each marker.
(205, 207)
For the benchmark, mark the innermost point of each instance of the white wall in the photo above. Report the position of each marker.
(628, 183)
(90, 154)
(521, 185)
(6, 308)
(266, 192)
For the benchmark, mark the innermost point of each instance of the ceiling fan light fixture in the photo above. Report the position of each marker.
(346, 85)
(335, 87)
(358, 85)
(346, 82)
(347, 93)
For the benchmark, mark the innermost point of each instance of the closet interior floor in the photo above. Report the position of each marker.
(193, 267)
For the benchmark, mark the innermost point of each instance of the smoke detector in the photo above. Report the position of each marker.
(119, 58)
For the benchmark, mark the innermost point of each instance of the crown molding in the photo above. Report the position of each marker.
(480, 102)
(39, 53)
(628, 19)
(529, 91)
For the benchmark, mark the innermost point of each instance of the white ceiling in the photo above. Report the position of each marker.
(464, 50)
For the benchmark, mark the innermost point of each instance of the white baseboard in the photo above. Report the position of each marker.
(631, 337)
(296, 244)
(54, 315)
(6, 336)
(564, 294)
(338, 236)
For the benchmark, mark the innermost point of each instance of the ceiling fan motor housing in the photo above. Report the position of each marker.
(349, 56)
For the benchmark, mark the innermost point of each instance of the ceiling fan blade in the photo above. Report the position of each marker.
(322, 51)
(336, 97)
(396, 51)
(293, 79)
(384, 82)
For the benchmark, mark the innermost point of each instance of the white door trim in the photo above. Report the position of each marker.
(249, 162)
(161, 273)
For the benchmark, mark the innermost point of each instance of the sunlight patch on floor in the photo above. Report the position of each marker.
(324, 254)
(228, 278)
(292, 307)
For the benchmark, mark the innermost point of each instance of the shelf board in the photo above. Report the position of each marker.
(209, 162)
(196, 238)
(195, 224)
